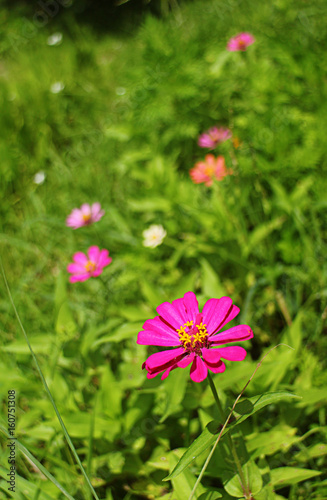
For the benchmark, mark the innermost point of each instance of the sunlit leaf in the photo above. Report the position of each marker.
(245, 409)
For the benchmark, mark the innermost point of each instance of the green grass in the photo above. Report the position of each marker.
(123, 132)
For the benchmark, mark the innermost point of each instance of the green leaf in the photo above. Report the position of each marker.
(248, 407)
(42, 344)
(281, 437)
(153, 296)
(150, 205)
(211, 283)
(185, 284)
(210, 495)
(245, 409)
(65, 325)
(252, 477)
(110, 399)
(261, 232)
(317, 450)
(184, 484)
(283, 476)
(37, 464)
(90, 336)
(280, 363)
(125, 331)
(217, 67)
(175, 388)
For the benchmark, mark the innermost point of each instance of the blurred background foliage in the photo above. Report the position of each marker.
(112, 114)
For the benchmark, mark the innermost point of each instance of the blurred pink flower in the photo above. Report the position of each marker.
(88, 266)
(85, 215)
(194, 337)
(209, 169)
(213, 137)
(240, 42)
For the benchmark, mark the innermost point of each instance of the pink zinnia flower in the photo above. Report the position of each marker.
(213, 137)
(209, 169)
(88, 266)
(85, 215)
(240, 42)
(194, 335)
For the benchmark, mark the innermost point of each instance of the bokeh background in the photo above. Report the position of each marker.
(105, 102)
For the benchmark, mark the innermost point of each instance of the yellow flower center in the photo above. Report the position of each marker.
(192, 337)
(86, 218)
(209, 171)
(90, 266)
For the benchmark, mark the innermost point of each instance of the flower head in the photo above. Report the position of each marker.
(153, 236)
(213, 137)
(85, 215)
(54, 39)
(39, 177)
(57, 87)
(194, 336)
(209, 169)
(89, 265)
(240, 42)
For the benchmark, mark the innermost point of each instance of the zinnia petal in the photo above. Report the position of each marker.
(187, 360)
(234, 334)
(199, 344)
(171, 314)
(212, 360)
(218, 368)
(166, 373)
(160, 361)
(211, 356)
(199, 370)
(233, 353)
(215, 312)
(158, 325)
(151, 337)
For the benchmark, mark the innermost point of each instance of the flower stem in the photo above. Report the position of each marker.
(245, 488)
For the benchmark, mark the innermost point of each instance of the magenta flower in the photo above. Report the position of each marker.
(209, 169)
(213, 137)
(194, 335)
(85, 215)
(240, 42)
(88, 266)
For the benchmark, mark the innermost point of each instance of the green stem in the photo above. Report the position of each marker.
(47, 390)
(247, 493)
(223, 429)
(91, 438)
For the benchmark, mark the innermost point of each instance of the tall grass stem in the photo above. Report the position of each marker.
(69, 441)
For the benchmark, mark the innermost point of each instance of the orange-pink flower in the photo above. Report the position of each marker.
(210, 169)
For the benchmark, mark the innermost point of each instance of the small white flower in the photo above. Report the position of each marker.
(120, 91)
(57, 87)
(54, 39)
(39, 178)
(153, 236)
